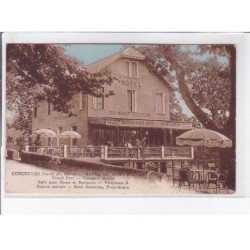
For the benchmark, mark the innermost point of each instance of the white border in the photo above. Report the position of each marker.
(135, 204)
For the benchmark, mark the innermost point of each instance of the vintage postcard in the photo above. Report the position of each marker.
(115, 116)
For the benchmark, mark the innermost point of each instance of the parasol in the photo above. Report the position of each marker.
(45, 132)
(70, 134)
(205, 138)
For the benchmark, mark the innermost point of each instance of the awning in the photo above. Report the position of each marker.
(135, 123)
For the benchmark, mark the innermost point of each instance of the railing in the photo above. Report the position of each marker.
(84, 152)
(48, 150)
(115, 153)
(176, 152)
(151, 152)
(120, 152)
(148, 153)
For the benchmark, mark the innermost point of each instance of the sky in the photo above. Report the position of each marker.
(89, 53)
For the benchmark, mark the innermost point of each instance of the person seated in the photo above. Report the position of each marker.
(110, 143)
(128, 145)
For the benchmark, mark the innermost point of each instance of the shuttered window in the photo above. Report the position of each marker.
(98, 102)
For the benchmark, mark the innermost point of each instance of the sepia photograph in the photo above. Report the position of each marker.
(123, 122)
(120, 119)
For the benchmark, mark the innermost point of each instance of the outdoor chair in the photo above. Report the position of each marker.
(183, 179)
(222, 181)
(190, 179)
(195, 179)
(218, 180)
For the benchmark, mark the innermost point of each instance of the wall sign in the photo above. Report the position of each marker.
(129, 82)
(140, 123)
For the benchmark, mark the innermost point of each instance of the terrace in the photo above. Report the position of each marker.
(117, 154)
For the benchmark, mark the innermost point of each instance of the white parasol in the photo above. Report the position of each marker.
(45, 132)
(69, 134)
(203, 137)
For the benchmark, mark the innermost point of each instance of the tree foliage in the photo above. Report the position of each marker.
(43, 71)
(205, 77)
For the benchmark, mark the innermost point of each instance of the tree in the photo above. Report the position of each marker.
(205, 76)
(43, 71)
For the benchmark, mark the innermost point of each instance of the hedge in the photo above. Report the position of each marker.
(83, 165)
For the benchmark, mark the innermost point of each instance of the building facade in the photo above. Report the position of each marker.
(139, 108)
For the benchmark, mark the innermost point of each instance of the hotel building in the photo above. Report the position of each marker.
(139, 107)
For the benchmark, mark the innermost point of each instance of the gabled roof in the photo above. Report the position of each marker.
(127, 53)
(105, 62)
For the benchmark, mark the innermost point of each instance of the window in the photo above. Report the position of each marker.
(131, 69)
(49, 108)
(98, 102)
(127, 63)
(134, 69)
(132, 100)
(74, 141)
(160, 103)
(35, 110)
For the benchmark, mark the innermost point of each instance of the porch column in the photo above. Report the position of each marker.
(164, 137)
(171, 137)
(117, 129)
